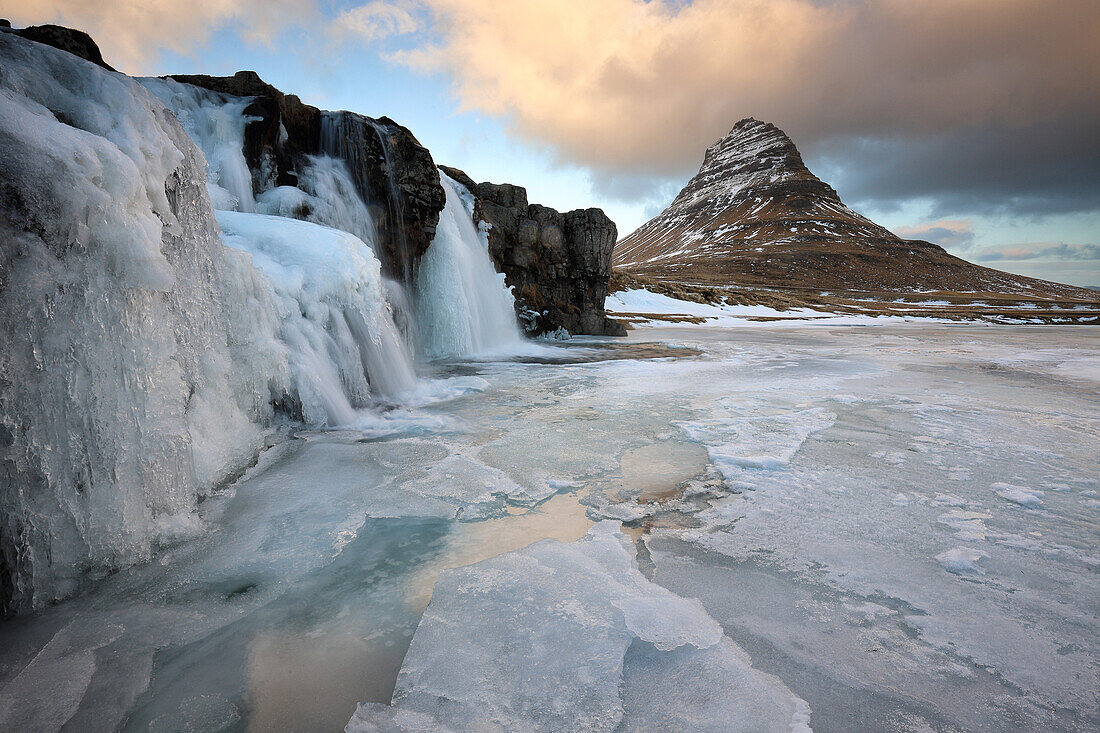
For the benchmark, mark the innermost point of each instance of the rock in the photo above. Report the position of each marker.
(75, 42)
(557, 264)
(754, 215)
(394, 173)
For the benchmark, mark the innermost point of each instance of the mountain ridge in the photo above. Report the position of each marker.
(755, 215)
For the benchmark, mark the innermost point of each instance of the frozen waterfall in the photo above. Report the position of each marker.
(343, 346)
(463, 305)
(145, 357)
(215, 122)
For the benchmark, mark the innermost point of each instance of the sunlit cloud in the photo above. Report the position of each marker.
(642, 85)
(380, 19)
(132, 34)
(949, 234)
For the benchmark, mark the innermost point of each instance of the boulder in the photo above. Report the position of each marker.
(78, 43)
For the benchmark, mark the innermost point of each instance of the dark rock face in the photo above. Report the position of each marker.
(394, 174)
(558, 264)
(75, 42)
(389, 167)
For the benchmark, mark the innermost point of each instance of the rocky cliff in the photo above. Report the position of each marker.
(755, 215)
(78, 43)
(394, 174)
(558, 264)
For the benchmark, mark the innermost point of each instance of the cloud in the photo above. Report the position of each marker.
(629, 87)
(380, 19)
(131, 34)
(1041, 251)
(957, 234)
(975, 105)
(1041, 169)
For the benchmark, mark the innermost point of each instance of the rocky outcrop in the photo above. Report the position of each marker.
(395, 174)
(558, 264)
(755, 215)
(78, 43)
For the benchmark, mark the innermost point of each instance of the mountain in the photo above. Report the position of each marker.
(755, 215)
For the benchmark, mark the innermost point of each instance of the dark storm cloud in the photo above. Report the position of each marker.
(1040, 169)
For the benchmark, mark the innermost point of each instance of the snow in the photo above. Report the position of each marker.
(647, 308)
(639, 301)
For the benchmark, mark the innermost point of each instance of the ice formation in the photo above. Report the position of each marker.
(341, 341)
(215, 122)
(139, 353)
(463, 306)
(143, 357)
(573, 637)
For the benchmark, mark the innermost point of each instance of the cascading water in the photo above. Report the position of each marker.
(143, 358)
(396, 200)
(344, 348)
(215, 122)
(325, 195)
(463, 305)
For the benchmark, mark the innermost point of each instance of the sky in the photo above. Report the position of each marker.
(974, 124)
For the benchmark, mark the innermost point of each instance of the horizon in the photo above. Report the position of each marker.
(988, 147)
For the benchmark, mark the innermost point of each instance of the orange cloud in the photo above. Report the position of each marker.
(130, 33)
(645, 86)
(953, 234)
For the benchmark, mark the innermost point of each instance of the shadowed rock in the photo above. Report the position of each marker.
(558, 264)
(78, 43)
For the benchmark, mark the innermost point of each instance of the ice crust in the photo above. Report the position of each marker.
(1030, 498)
(571, 637)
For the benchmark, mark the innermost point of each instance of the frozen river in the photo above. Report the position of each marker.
(889, 527)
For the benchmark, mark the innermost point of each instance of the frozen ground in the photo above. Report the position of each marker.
(863, 528)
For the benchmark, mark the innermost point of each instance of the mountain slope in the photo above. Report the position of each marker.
(755, 215)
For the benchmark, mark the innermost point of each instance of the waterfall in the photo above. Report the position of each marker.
(344, 350)
(396, 205)
(315, 247)
(215, 122)
(463, 305)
